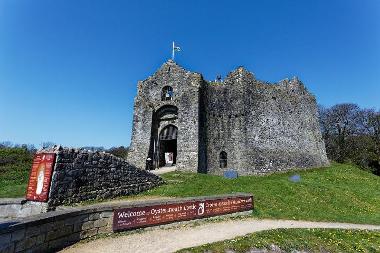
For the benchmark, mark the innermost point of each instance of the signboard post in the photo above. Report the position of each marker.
(135, 217)
(40, 177)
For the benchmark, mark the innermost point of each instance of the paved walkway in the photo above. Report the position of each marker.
(163, 170)
(171, 240)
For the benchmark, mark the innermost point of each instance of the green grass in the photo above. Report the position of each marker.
(15, 165)
(340, 192)
(311, 240)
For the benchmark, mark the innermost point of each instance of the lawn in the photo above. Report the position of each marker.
(311, 240)
(340, 192)
(15, 165)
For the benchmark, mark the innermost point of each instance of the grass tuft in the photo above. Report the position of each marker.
(290, 240)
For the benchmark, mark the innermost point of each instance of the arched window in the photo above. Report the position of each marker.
(223, 160)
(167, 93)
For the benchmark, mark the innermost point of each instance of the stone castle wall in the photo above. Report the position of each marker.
(82, 175)
(262, 127)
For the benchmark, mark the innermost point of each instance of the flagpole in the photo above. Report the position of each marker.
(173, 52)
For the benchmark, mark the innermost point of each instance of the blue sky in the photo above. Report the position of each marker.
(69, 68)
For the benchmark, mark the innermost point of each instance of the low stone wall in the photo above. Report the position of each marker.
(51, 231)
(55, 230)
(19, 207)
(82, 175)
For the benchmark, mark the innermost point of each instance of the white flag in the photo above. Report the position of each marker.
(177, 49)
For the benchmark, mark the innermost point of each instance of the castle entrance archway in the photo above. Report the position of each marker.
(168, 146)
(163, 142)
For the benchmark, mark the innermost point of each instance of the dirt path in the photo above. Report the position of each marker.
(171, 240)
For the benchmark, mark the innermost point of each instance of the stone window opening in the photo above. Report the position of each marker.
(167, 93)
(223, 160)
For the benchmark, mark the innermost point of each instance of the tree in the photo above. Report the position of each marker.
(352, 134)
(47, 144)
(374, 128)
(119, 151)
(6, 144)
(343, 121)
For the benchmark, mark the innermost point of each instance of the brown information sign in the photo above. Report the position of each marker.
(134, 217)
(40, 177)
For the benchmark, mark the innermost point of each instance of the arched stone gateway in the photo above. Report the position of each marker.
(163, 145)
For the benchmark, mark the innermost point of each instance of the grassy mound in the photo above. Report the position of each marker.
(310, 240)
(338, 193)
(15, 165)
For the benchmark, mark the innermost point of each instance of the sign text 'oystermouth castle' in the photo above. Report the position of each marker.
(239, 123)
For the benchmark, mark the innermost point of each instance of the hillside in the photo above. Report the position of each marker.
(15, 164)
(338, 193)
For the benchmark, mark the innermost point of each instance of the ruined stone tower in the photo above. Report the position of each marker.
(240, 123)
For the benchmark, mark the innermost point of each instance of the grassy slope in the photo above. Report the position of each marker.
(15, 165)
(314, 240)
(339, 193)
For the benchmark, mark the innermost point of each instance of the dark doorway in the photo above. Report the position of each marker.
(168, 146)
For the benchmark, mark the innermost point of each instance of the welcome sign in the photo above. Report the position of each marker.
(135, 217)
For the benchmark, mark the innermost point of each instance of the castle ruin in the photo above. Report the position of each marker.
(240, 123)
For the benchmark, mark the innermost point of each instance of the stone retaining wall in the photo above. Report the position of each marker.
(55, 230)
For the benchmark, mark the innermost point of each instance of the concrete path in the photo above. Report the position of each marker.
(163, 170)
(171, 240)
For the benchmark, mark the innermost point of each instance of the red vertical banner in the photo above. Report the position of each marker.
(40, 177)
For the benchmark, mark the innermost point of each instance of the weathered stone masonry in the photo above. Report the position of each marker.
(151, 115)
(82, 175)
(240, 123)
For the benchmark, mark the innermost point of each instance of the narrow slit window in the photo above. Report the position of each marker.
(223, 160)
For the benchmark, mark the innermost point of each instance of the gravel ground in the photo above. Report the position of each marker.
(171, 240)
